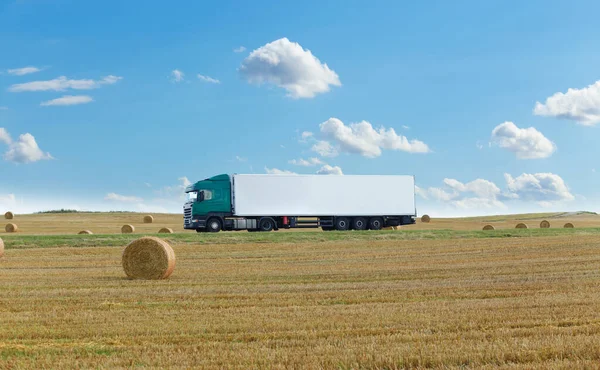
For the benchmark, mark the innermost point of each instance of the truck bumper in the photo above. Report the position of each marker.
(194, 224)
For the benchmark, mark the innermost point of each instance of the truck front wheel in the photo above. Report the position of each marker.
(213, 225)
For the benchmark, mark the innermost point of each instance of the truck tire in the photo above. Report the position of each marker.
(360, 223)
(213, 225)
(376, 223)
(342, 223)
(266, 224)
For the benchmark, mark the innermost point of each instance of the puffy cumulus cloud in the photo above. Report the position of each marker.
(123, 198)
(330, 170)
(543, 188)
(22, 71)
(288, 65)
(526, 143)
(478, 193)
(324, 149)
(23, 150)
(361, 138)
(313, 161)
(208, 79)
(276, 171)
(580, 105)
(62, 83)
(68, 100)
(177, 75)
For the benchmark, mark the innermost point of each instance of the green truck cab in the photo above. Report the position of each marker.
(208, 198)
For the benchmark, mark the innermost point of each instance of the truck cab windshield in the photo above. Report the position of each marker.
(192, 196)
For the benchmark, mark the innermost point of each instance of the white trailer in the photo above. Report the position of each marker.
(323, 195)
(265, 202)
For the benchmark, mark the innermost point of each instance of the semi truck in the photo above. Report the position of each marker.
(267, 202)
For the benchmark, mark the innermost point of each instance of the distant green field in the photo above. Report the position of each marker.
(49, 241)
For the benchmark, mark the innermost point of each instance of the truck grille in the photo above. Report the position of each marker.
(187, 215)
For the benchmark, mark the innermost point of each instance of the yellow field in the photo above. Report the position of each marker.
(523, 302)
(110, 223)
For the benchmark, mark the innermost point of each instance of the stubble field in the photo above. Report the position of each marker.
(451, 297)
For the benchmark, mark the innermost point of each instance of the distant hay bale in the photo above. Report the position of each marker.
(569, 225)
(9, 215)
(11, 228)
(148, 258)
(148, 219)
(521, 226)
(545, 224)
(165, 230)
(425, 218)
(127, 229)
(1, 247)
(489, 227)
(85, 232)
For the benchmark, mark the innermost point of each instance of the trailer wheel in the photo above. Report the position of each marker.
(359, 223)
(375, 223)
(213, 225)
(266, 224)
(342, 223)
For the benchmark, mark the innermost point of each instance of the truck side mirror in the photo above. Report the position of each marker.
(201, 196)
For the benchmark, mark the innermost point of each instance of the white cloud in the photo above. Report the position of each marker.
(580, 105)
(539, 187)
(24, 150)
(526, 143)
(62, 83)
(177, 75)
(361, 138)
(5, 136)
(22, 71)
(313, 161)
(421, 192)
(406, 127)
(306, 135)
(208, 79)
(330, 170)
(324, 149)
(287, 65)
(3, 108)
(122, 198)
(241, 49)
(276, 171)
(479, 193)
(241, 159)
(68, 100)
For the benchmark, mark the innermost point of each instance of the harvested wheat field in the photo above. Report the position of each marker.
(111, 223)
(454, 299)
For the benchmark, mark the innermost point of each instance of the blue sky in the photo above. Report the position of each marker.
(445, 91)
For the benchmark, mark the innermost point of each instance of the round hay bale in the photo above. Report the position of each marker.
(148, 219)
(1, 247)
(9, 215)
(11, 228)
(425, 218)
(127, 229)
(165, 230)
(544, 224)
(489, 227)
(569, 225)
(85, 232)
(148, 258)
(521, 226)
